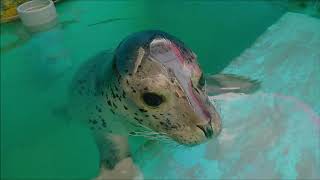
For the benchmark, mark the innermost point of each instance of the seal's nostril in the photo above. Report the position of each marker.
(207, 130)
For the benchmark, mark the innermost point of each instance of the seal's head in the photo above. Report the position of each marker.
(164, 87)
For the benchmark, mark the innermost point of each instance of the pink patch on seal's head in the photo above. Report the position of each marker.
(183, 63)
(177, 52)
(188, 60)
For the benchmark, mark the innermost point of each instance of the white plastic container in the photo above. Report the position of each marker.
(37, 14)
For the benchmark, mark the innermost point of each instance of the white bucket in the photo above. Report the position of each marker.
(37, 14)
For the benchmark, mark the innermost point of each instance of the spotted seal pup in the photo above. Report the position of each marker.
(151, 85)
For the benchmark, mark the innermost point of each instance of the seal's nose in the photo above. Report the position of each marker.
(207, 129)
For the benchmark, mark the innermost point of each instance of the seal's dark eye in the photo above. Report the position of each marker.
(152, 99)
(201, 82)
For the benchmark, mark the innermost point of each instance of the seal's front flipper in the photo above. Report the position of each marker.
(229, 83)
(115, 160)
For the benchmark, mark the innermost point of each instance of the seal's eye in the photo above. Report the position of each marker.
(152, 99)
(201, 82)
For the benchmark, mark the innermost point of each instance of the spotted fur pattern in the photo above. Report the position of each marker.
(111, 96)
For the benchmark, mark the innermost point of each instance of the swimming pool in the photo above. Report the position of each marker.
(35, 141)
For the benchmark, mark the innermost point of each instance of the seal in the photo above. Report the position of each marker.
(152, 86)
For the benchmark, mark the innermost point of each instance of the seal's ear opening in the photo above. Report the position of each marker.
(137, 63)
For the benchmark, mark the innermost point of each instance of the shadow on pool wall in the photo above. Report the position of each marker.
(34, 144)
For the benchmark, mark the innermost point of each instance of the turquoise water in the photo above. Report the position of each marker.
(35, 141)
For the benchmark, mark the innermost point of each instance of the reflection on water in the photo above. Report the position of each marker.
(37, 68)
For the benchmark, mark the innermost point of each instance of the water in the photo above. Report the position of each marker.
(37, 143)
